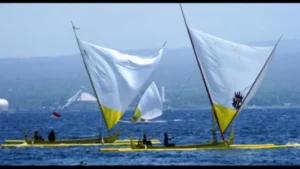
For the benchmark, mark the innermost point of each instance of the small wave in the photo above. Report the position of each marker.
(157, 121)
(294, 142)
(177, 120)
(124, 121)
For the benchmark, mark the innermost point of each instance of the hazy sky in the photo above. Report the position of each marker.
(45, 29)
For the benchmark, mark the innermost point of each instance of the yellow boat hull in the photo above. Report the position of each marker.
(126, 141)
(138, 121)
(109, 139)
(233, 146)
(209, 144)
(62, 145)
(14, 141)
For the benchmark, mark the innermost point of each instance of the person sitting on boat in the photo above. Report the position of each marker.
(140, 143)
(41, 138)
(82, 163)
(36, 136)
(166, 141)
(51, 136)
(146, 142)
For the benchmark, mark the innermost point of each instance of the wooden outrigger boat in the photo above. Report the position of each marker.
(99, 139)
(209, 144)
(107, 70)
(227, 69)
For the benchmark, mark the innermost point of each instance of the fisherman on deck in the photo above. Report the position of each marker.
(36, 136)
(140, 143)
(146, 142)
(51, 136)
(166, 141)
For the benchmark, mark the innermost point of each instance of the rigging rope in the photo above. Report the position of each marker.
(186, 83)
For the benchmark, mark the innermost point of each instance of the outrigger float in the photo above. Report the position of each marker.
(197, 147)
(99, 139)
(23, 144)
(84, 141)
(96, 141)
(125, 142)
(233, 146)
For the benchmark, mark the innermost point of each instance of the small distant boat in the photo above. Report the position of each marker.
(149, 107)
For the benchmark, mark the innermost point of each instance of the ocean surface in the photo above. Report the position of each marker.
(278, 126)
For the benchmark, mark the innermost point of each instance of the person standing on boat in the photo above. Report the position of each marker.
(166, 141)
(146, 142)
(51, 136)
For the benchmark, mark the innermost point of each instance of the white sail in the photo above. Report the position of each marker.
(118, 77)
(150, 105)
(230, 71)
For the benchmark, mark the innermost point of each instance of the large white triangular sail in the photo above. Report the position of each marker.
(150, 105)
(118, 77)
(230, 71)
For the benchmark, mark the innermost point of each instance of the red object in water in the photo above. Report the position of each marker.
(55, 114)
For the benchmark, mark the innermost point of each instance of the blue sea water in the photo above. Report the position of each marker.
(278, 126)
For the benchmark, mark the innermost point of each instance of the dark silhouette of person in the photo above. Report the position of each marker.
(166, 141)
(41, 138)
(146, 142)
(82, 163)
(36, 136)
(140, 143)
(51, 136)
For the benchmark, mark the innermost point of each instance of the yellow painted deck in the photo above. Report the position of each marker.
(233, 146)
(155, 141)
(117, 143)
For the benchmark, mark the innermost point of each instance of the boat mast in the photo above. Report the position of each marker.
(238, 110)
(205, 84)
(98, 101)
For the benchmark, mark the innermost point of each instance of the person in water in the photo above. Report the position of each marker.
(51, 136)
(146, 142)
(166, 141)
